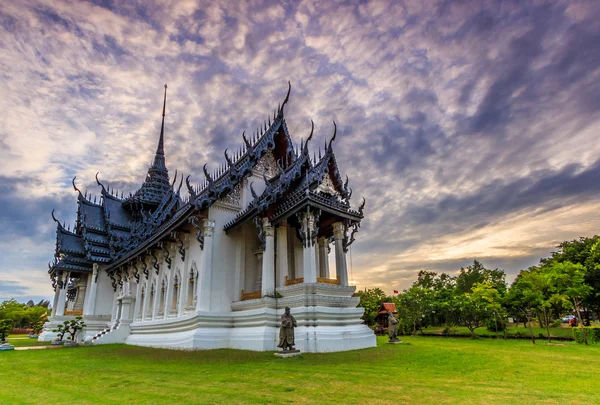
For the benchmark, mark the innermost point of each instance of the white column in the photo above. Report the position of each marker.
(340, 255)
(56, 295)
(309, 259)
(282, 254)
(62, 296)
(204, 280)
(146, 296)
(138, 299)
(259, 269)
(268, 263)
(89, 307)
(157, 291)
(168, 292)
(183, 286)
(323, 257)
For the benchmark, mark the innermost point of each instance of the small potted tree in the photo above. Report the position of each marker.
(37, 328)
(5, 328)
(73, 327)
(61, 330)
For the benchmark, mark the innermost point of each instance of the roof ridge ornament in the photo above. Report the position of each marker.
(100, 184)
(287, 98)
(312, 129)
(333, 137)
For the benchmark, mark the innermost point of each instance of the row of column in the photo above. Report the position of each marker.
(202, 284)
(309, 254)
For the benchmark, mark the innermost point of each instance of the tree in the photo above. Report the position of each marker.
(6, 326)
(371, 301)
(491, 301)
(412, 305)
(37, 327)
(477, 273)
(526, 296)
(70, 327)
(567, 279)
(586, 252)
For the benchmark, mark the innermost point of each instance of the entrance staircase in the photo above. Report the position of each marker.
(102, 337)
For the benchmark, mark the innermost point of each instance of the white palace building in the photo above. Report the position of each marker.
(216, 267)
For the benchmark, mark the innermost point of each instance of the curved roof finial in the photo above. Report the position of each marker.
(362, 206)
(74, 186)
(174, 180)
(334, 135)
(312, 129)
(180, 184)
(54, 218)
(287, 97)
(229, 162)
(207, 175)
(100, 184)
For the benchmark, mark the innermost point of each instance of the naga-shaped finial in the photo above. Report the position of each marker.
(174, 180)
(54, 218)
(254, 195)
(229, 162)
(191, 190)
(362, 206)
(100, 184)
(334, 134)
(207, 175)
(287, 97)
(180, 184)
(312, 130)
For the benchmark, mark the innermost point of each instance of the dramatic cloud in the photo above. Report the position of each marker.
(471, 127)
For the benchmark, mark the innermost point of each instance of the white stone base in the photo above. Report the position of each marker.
(320, 329)
(285, 355)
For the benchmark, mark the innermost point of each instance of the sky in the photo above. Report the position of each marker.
(470, 127)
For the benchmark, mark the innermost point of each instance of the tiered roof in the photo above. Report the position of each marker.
(117, 230)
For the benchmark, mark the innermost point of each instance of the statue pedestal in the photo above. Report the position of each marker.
(289, 353)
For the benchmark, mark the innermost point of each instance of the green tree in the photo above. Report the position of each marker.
(567, 279)
(526, 296)
(477, 273)
(5, 328)
(371, 301)
(413, 305)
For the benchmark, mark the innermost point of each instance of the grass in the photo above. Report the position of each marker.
(512, 330)
(427, 370)
(26, 342)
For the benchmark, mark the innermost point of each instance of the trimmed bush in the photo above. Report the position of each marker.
(556, 324)
(592, 333)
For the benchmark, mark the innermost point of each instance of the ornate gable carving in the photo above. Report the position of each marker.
(327, 186)
(266, 163)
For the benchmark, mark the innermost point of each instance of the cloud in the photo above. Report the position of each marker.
(458, 122)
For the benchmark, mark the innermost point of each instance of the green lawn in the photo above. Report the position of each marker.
(512, 330)
(25, 342)
(427, 370)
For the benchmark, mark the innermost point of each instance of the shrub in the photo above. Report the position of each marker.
(495, 325)
(556, 324)
(592, 333)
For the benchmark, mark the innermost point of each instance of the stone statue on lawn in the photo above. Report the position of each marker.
(392, 328)
(286, 331)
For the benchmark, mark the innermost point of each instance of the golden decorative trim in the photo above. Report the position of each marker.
(250, 296)
(293, 281)
(328, 280)
(73, 313)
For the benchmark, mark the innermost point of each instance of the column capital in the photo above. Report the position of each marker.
(338, 230)
(209, 227)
